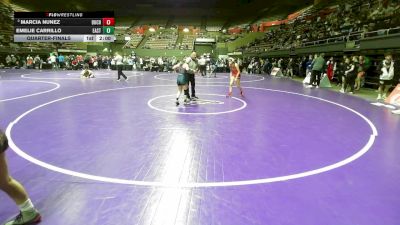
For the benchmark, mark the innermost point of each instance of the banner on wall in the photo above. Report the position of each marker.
(394, 97)
(235, 53)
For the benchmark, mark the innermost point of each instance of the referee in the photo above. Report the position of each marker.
(193, 67)
(119, 63)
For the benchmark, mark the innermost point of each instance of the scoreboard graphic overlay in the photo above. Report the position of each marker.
(64, 26)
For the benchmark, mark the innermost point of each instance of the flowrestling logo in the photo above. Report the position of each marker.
(205, 102)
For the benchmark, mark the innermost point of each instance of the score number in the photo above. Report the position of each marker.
(108, 21)
(108, 25)
(108, 30)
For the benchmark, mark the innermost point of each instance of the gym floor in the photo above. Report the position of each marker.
(98, 151)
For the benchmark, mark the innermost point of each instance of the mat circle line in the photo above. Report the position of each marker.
(357, 155)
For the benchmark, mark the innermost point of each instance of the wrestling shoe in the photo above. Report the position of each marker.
(29, 217)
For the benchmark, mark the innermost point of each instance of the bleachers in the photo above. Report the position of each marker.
(6, 29)
(120, 33)
(187, 42)
(134, 42)
(351, 20)
(162, 41)
(37, 45)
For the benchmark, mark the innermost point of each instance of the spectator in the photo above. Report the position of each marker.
(202, 65)
(360, 72)
(61, 61)
(29, 62)
(8, 61)
(289, 71)
(387, 73)
(350, 75)
(53, 61)
(331, 67)
(38, 62)
(340, 73)
(318, 67)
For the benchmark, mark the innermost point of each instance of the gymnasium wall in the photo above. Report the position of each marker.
(201, 49)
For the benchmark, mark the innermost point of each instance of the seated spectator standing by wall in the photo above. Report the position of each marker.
(283, 66)
(331, 67)
(8, 61)
(289, 71)
(396, 81)
(250, 67)
(29, 62)
(318, 67)
(202, 66)
(95, 63)
(87, 60)
(14, 61)
(53, 61)
(360, 72)
(341, 68)
(396, 76)
(387, 73)
(38, 62)
(74, 64)
(61, 61)
(303, 67)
